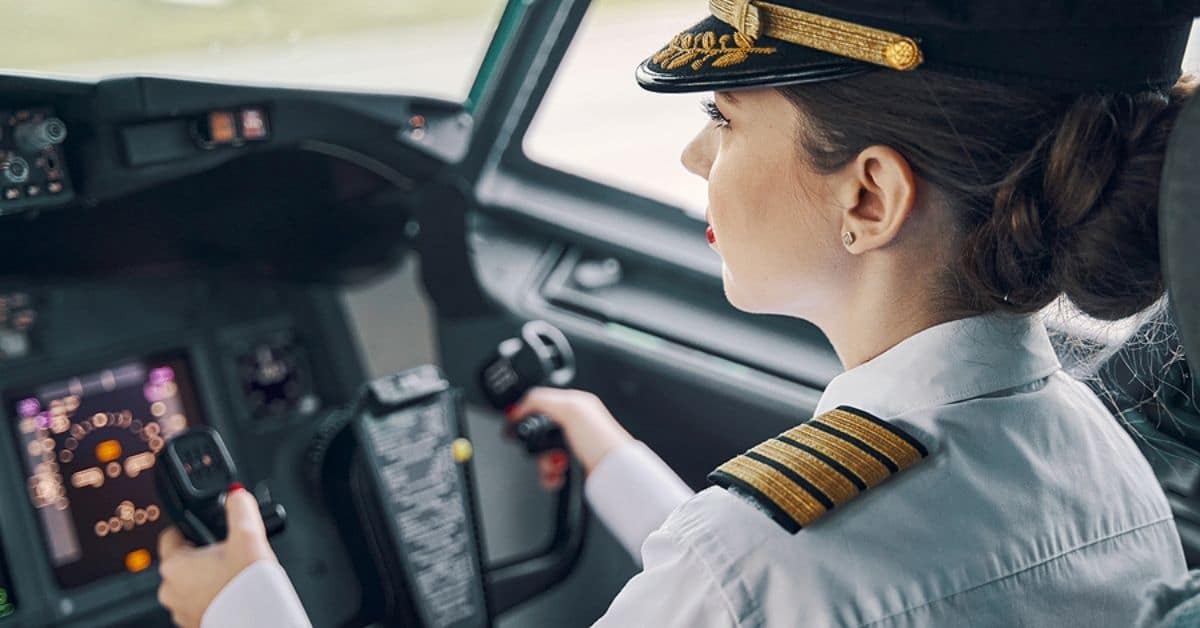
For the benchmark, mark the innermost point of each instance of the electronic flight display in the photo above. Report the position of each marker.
(89, 445)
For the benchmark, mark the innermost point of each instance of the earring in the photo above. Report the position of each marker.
(848, 238)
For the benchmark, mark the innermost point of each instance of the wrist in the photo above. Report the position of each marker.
(605, 447)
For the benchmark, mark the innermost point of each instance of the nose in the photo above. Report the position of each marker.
(697, 156)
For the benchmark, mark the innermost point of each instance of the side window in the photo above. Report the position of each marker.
(596, 122)
(430, 47)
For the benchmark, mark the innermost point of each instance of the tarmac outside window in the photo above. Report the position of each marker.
(364, 45)
(597, 123)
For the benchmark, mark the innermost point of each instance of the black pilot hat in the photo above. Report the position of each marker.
(1059, 45)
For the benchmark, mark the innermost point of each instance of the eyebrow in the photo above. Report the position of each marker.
(728, 96)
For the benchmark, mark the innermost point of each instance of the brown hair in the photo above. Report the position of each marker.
(1057, 194)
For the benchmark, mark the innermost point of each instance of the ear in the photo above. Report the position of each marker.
(877, 195)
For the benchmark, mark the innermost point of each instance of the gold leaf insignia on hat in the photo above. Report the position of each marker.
(697, 49)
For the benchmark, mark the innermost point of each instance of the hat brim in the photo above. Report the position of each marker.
(713, 55)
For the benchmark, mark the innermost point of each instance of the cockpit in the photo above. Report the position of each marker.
(277, 220)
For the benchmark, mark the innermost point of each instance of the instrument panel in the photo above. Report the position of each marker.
(33, 169)
(88, 443)
(107, 375)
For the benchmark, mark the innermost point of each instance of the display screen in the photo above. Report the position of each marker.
(89, 445)
(8, 602)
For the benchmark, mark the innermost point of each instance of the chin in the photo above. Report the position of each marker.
(751, 302)
(738, 298)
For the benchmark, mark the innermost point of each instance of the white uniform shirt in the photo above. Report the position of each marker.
(1034, 508)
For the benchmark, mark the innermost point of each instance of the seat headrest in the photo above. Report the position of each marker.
(1179, 224)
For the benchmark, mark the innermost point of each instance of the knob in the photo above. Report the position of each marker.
(539, 433)
(540, 355)
(35, 136)
(15, 170)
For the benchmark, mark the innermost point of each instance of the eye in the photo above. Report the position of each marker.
(709, 106)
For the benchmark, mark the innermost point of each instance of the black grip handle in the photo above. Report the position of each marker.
(540, 355)
(539, 434)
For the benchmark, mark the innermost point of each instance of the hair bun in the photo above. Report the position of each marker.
(1080, 216)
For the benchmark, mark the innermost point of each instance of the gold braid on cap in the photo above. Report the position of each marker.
(846, 39)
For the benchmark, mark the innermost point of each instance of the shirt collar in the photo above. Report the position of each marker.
(946, 363)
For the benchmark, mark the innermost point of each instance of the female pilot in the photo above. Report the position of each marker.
(919, 180)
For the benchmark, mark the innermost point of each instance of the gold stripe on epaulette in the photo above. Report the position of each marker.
(846, 39)
(890, 445)
(800, 475)
(825, 478)
(867, 468)
(799, 504)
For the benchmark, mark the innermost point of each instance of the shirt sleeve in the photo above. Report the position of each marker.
(677, 589)
(633, 491)
(261, 595)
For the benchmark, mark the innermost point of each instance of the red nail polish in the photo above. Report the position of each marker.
(558, 459)
(509, 410)
(712, 237)
(236, 486)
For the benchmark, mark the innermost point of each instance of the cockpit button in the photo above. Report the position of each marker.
(15, 170)
(254, 124)
(35, 136)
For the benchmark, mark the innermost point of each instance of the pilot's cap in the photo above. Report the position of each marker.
(1059, 45)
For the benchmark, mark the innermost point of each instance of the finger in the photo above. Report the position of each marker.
(165, 599)
(242, 515)
(552, 462)
(552, 468)
(170, 541)
(559, 460)
(537, 400)
(552, 481)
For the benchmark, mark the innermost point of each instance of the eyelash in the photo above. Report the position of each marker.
(710, 107)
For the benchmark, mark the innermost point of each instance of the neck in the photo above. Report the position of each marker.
(878, 318)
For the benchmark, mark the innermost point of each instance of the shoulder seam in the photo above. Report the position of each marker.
(1044, 561)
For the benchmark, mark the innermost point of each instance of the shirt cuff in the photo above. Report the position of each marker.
(633, 492)
(260, 595)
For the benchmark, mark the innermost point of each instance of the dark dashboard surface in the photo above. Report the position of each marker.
(153, 173)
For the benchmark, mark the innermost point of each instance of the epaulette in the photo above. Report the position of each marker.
(808, 470)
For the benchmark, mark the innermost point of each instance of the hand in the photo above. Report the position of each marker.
(591, 431)
(193, 576)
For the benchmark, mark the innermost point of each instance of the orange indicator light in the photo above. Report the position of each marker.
(137, 560)
(222, 127)
(108, 451)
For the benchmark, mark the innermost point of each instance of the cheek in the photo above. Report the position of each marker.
(740, 198)
(772, 237)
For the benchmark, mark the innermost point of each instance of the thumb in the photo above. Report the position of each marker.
(242, 516)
